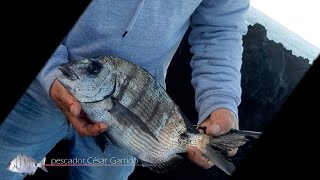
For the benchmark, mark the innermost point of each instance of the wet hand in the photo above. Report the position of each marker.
(220, 122)
(72, 110)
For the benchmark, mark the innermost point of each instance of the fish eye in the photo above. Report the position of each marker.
(94, 68)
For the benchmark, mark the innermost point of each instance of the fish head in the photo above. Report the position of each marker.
(87, 80)
(12, 166)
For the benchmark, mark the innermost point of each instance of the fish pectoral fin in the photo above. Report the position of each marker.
(164, 167)
(18, 169)
(101, 142)
(128, 118)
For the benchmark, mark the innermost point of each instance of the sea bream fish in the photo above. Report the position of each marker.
(142, 118)
(26, 165)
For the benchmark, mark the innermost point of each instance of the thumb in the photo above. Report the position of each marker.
(222, 121)
(215, 129)
(63, 98)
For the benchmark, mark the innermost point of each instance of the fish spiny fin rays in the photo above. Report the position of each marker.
(128, 118)
(253, 134)
(219, 160)
(164, 166)
(219, 146)
(233, 139)
(190, 127)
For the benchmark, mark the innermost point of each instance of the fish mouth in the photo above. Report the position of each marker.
(67, 72)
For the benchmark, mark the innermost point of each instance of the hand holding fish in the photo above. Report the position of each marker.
(142, 118)
(220, 122)
(72, 110)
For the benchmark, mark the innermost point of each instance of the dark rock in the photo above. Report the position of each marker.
(269, 74)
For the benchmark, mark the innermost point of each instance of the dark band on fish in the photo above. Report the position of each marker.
(124, 86)
(120, 110)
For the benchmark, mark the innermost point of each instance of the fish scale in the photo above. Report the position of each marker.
(142, 118)
(144, 103)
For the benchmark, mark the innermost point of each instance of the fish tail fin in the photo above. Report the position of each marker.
(42, 164)
(218, 146)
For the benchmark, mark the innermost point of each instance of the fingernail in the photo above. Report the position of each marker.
(210, 163)
(103, 130)
(72, 109)
(102, 126)
(216, 129)
(75, 111)
(204, 159)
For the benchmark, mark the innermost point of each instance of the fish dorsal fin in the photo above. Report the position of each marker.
(164, 166)
(190, 127)
(128, 118)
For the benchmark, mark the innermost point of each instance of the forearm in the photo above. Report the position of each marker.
(216, 40)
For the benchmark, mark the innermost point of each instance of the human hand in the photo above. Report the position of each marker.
(220, 122)
(72, 110)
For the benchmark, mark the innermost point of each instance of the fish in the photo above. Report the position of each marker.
(142, 118)
(26, 165)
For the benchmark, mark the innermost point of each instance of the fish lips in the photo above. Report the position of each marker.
(67, 72)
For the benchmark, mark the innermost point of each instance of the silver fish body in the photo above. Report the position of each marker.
(25, 165)
(142, 119)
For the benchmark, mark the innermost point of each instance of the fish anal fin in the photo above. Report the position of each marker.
(164, 167)
(219, 160)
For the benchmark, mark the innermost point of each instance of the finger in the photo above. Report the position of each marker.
(195, 155)
(89, 129)
(72, 110)
(66, 99)
(85, 127)
(213, 127)
(221, 122)
(233, 152)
